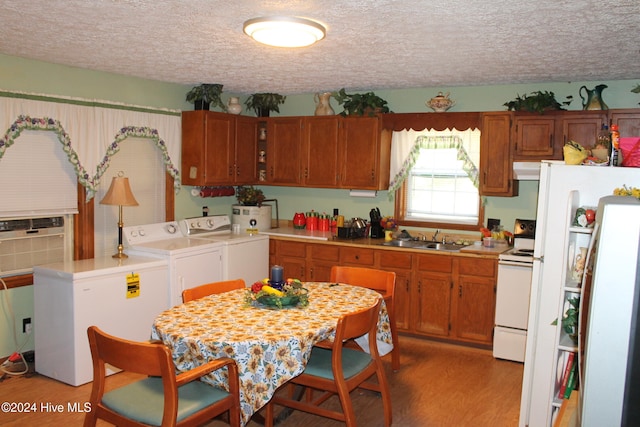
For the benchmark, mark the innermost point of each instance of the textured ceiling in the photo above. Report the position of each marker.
(375, 44)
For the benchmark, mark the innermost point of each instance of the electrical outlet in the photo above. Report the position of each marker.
(26, 325)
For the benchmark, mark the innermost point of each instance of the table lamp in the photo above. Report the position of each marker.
(119, 194)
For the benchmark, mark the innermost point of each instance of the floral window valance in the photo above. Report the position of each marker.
(91, 134)
(406, 148)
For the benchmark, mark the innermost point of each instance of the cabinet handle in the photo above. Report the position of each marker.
(271, 171)
(230, 170)
(460, 290)
(311, 273)
(357, 257)
(419, 286)
(306, 172)
(373, 175)
(407, 285)
(238, 170)
(550, 140)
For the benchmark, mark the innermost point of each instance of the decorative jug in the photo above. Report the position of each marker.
(440, 103)
(323, 106)
(233, 106)
(299, 220)
(594, 98)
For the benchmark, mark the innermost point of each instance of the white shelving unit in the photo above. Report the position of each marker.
(577, 237)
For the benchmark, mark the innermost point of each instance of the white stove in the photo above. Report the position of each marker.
(515, 268)
(524, 233)
(246, 255)
(192, 262)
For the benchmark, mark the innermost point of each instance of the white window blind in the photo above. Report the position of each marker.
(37, 177)
(141, 161)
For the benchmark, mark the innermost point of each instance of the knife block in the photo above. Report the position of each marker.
(377, 232)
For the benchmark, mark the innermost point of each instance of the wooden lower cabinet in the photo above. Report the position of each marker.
(437, 295)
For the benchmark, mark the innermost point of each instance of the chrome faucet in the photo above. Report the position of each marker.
(435, 235)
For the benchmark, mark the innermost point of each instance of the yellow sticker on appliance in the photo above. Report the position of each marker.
(133, 285)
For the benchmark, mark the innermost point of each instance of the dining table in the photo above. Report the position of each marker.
(270, 345)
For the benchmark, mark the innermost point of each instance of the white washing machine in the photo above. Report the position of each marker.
(192, 262)
(246, 255)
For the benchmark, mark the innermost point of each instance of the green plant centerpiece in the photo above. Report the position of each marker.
(205, 95)
(247, 195)
(360, 104)
(264, 103)
(537, 102)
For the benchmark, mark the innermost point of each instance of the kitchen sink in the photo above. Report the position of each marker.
(417, 244)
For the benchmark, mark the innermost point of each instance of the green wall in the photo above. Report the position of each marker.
(24, 75)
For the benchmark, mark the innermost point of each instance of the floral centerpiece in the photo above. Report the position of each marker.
(291, 293)
(388, 223)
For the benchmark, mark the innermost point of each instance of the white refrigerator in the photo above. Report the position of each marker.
(563, 188)
(610, 388)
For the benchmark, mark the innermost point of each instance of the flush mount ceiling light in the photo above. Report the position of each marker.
(284, 31)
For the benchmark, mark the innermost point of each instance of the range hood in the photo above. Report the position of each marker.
(526, 171)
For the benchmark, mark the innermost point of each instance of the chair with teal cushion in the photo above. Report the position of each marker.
(162, 398)
(340, 370)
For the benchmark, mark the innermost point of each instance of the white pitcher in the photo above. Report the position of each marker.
(233, 106)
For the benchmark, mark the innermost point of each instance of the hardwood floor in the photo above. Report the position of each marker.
(438, 385)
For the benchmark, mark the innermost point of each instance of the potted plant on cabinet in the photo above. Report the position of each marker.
(359, 104)
(537, 102)
(264, 103)
(206, 94)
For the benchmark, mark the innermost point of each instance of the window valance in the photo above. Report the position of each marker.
(90, 134)
(406, 145)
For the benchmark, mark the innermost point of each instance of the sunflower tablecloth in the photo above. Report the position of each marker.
(270, 346)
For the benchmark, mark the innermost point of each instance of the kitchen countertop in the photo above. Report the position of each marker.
(288, 233)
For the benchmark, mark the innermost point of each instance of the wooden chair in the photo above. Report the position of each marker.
(211, 288)
(340, 370)
(378, 280)
(162, 398)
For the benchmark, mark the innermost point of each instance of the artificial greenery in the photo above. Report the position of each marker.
(263, 103)
(570, 320)
(636, 90)
(537, 102)
(249, 196)
(359, 104)
(208, 93)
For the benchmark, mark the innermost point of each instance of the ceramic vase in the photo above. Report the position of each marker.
(233, 106)
(323, 104)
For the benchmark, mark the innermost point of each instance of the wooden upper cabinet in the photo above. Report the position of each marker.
(284, 150)
(365, 154)
(582, 127)
(496, 170)
(320, 153)
(207, 147)
(628, 122)
(534, 137)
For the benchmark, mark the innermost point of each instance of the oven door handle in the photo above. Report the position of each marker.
(514, 263)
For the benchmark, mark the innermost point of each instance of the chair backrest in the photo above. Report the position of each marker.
(358, 323)
(372, 278)
(211, 288)
(152, 359)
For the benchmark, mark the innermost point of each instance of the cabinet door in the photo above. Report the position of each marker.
(496, 164)
(320, 161)
(474, 309)
(581, 129)
(400, 263)
(534, 138)
(219, 153)
(245, 150)
(432, 304)
(291, 256)
(403, 300)
(628, 122)
(207, 148)
(360, 154)
(320, 259)
(284, 150)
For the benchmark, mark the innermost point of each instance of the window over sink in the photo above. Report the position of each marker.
(435, 178)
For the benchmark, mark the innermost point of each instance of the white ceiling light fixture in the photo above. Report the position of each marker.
(284, 31)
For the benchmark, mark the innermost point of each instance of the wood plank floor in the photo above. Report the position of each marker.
(438, 385)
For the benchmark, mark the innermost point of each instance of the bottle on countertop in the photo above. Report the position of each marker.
(615, 158)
